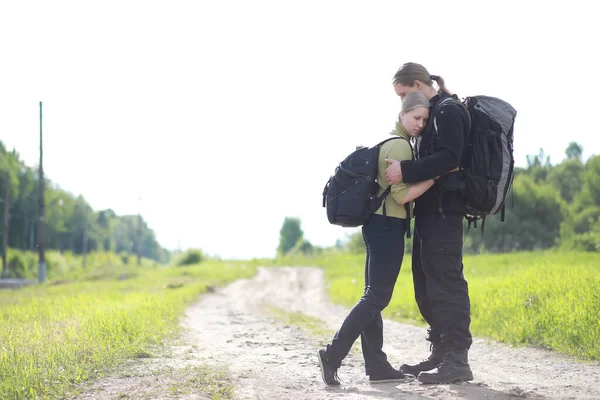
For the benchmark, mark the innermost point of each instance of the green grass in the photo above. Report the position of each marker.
(313, 326)
(211, 380)
(83, 323)
(545, 299)
(57, 335)
(66, 265)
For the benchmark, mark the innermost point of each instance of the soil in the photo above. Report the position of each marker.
(235, 329)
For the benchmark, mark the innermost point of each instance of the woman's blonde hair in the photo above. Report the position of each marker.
(414, 100)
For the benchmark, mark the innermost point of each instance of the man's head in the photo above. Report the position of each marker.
(413, 77)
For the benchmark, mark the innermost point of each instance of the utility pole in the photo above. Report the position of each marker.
(5, 225)
(139, 231)
(41, 225)
(85, 236)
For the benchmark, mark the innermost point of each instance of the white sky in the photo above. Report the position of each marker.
(228, 116)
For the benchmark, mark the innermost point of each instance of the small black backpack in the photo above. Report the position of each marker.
(350, 195)
(488, 161)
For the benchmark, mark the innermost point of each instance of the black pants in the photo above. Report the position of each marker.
(441, 290)
(384, 241)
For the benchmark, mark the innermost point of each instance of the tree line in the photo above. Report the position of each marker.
(71, 224)
(548, 206)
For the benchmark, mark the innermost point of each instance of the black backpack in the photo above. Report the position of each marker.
(350, 195)
(488, 162)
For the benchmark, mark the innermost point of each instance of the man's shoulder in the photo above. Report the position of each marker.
(450, 109)
(450, 104)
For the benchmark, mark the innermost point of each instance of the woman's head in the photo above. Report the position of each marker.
(413, 77)
(414, 113)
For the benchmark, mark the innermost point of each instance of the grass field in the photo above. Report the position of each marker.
(83, 323)
(65, 332)
(546, 299)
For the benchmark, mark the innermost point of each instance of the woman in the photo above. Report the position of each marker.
(384, 242)
(441, 290)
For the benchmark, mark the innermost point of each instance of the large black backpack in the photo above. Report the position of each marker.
(488, 161)
(350, 195)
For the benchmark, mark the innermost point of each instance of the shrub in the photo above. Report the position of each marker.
(192, 256)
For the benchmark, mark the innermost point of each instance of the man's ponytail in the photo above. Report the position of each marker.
(441, 84)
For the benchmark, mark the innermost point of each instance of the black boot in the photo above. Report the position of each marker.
(454, 369)
(437, 356)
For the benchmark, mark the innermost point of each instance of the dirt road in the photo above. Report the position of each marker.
(268, 359)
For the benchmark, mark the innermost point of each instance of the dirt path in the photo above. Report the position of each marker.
(235, 327)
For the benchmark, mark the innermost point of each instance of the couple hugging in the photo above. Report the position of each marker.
(438, 130)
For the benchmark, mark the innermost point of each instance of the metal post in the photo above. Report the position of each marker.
(41, 225)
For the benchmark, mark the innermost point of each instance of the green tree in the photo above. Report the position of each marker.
(568, 178)
(303, 246)
(574, 151)
(289, 235)
(538, 166)
(580, 226)
(67, 216)
(533, 223)
(8, 190)
(592, 178)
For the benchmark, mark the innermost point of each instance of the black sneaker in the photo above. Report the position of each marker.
(389, 375)
(328, 371)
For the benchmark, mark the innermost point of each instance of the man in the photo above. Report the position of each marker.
(441, 291)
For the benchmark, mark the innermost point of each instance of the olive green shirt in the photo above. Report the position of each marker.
(400, 150)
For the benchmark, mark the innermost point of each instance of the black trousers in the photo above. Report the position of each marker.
(441, 290)
(384, 242)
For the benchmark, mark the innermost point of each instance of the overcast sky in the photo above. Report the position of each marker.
(228, 116)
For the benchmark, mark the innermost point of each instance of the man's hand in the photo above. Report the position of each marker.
(393, 173)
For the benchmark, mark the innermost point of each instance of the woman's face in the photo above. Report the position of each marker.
(414, 120)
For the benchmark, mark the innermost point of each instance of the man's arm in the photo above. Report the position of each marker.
(450, 143)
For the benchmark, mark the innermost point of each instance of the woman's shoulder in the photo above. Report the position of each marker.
(400, 147)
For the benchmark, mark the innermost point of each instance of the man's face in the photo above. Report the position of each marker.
(402, 90)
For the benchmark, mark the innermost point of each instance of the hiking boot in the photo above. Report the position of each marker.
(437, 356)
(328, 371)
(389, 375)
(455, 368)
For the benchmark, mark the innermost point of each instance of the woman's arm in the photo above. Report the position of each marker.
(417, 189)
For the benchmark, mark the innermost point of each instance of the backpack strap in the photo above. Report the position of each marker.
(389, 188)
(457, 102)
(482, 228)
(407, 208)
(325, 192)
(407, 205)
(388, 139)
(444, 100)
